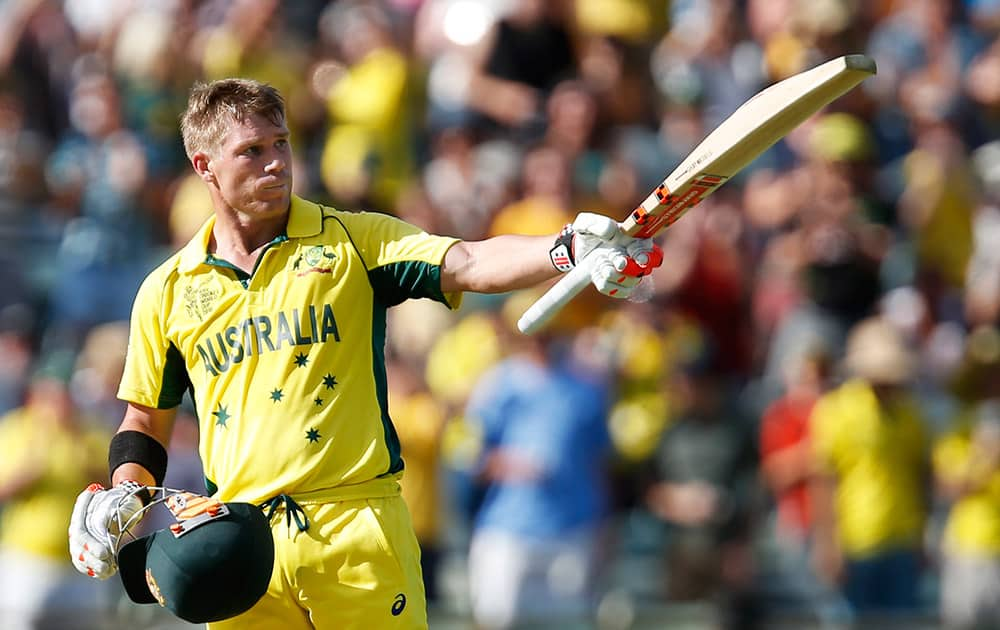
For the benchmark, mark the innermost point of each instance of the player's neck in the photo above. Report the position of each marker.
(239, 238)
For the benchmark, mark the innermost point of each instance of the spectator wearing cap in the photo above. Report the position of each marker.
(48, 449)
(870, 490)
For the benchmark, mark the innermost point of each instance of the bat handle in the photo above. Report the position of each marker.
(555, 298)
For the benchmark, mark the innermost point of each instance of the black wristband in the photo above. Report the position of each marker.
(135, 447)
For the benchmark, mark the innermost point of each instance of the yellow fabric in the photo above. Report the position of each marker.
(460, 356)
(973, 524)
(944, 199)
(367, 136)
(637, 422)
(356, 567)
(880, 460)
(189, 209)
(288, 374)
(35, 520)
(420, 420)
(533, 216)
(636, 20)
(277, 61)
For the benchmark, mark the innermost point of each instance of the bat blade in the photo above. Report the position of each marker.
(754, 127)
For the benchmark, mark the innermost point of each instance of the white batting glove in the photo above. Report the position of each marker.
(617, 262)
(97, 519)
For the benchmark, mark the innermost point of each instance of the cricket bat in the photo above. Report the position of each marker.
(755, 126)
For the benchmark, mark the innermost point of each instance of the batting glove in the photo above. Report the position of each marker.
(98, 518)
(617, 262)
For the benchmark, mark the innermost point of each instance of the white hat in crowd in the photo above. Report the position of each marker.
(877, 352)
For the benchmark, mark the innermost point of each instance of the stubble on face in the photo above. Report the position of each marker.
(253, 168)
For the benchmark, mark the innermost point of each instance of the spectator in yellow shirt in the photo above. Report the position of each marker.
(967, 469)
(47, 451)
(871, 488)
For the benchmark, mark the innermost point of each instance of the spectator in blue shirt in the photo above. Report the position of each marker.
(542, 416)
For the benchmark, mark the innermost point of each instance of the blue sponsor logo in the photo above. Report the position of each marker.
(398, 605)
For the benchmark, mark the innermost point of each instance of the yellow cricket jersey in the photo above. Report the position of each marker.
(973, 525)
(880, 459)
(286, 365)
(34, 520)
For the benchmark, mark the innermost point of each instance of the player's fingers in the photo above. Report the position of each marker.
(598, 225)
(82, 505)
(640, 248)
(91, 556)
(610, 280)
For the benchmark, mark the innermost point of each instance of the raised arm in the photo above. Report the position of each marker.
(509, 262)
(499, 264)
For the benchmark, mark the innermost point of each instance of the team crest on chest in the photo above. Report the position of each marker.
(200, 299)
(314, 259)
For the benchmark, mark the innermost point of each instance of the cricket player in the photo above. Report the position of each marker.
(273, 317)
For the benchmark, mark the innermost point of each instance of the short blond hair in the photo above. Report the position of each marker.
(212, 107)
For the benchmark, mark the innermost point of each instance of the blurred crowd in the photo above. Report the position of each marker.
(799, 422)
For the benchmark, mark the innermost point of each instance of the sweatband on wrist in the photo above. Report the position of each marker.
(135, 447)
(136, 489)
(561, 253)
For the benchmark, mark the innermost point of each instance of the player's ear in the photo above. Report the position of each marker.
(202, 164)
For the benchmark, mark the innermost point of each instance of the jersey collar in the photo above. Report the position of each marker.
(304, 219)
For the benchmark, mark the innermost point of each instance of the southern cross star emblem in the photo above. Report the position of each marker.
(221, 416)
(277, 395)
(313, 435)
(329, 381)
(301, 359)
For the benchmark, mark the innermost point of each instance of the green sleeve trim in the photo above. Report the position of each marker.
(382, 390)
(396, 282)
(175, 380)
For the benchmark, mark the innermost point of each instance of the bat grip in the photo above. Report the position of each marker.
(650, 261)
(555, 298)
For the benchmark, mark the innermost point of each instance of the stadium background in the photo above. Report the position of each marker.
(429, 110)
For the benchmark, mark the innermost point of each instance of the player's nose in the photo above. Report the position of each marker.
(275, 166)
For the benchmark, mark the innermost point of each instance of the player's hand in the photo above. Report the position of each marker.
(617, 262)
(97, 518)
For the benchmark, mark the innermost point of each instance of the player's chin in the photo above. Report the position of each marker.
(278, 196)
(274, 188)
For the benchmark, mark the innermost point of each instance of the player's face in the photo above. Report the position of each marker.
(253, 167)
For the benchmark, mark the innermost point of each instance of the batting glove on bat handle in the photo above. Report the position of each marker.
(585, 234)
(613, 271)
(643, 263)
(97, 521)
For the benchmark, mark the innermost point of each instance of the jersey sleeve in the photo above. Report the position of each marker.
(155, 374)
(402, 260)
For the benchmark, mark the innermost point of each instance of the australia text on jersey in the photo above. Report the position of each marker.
(267, 333)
